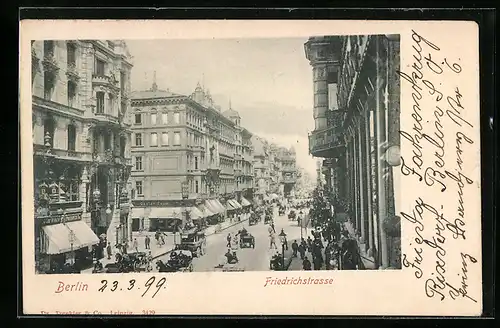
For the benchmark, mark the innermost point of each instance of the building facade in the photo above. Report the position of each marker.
(261, 168)
(185, 154)
(81, 148)
(356, 113)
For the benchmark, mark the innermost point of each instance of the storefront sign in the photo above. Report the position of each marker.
(48, 220)
(164, 203)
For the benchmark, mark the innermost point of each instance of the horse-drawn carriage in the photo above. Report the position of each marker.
(193, 240)
(268, 218)
(292, 215)
(180, 261)
(246, 239)
(254, 219)
(130, 262)
(231, 263)
(281, 210)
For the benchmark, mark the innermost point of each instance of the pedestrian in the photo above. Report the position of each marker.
(272, 226)
(295, 248)
(124, 247)
(302, 251)
(272, 241)
(306, 264)
(157, 237)
(108, 250)
(147, 242)
(228, 238)
(135, 245)
(318, 261)
(162, 239)
(309, 244)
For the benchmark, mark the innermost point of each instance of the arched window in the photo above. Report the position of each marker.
(48, 132)
(71, 137)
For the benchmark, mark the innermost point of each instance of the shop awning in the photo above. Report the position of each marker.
(195, 213)
(165, 213)
(245, 202)
(219, 205)
(206, 212)
(230, 206)
(137, 212)
(235, 203)
(210, 204)
(64, 237)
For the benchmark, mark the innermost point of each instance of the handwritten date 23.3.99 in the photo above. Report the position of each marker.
(132, 284)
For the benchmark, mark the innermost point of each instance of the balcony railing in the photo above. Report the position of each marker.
(47, 104)
(72, 72)
(325, 140)
(106, 117)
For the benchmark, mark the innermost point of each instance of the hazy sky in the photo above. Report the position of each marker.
(269, 82)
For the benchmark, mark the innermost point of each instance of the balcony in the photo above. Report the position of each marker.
(72, 72)
(63, 154)
(326, 143)
(105, 80)
(50, 63)
(238, 173)
(238, 157)
(106, 118)
(53, 106)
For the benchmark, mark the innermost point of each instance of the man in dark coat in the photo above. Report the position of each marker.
(295, 248)
(306, 264)
(302, 250)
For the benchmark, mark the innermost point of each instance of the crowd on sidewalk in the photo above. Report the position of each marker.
(340, 253)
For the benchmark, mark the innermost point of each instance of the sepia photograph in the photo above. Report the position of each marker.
(196, 155)
(267, 160)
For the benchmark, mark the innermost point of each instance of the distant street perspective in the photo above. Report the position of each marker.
(216, 155)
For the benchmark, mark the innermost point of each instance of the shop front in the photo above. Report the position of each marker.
(66, 244)
(165, 219)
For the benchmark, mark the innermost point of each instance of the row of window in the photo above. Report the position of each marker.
(153, 141)
(153, 118)
(194, 186)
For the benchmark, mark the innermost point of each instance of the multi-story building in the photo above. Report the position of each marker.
(288, 171)
(81, 151)
(261, 168)
(243, 158)
(184, 159)
(356, 114)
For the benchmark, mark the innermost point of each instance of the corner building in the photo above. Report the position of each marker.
(81, 149)
(356, 114)
(184, 151)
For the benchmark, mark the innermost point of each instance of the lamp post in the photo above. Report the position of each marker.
(185, 196)
(71, 234)
(283, 241)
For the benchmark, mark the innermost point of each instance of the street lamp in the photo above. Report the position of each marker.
(71, 235)
(283, 242)
(185, 196)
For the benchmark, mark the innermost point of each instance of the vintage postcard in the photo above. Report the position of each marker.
(250, 167)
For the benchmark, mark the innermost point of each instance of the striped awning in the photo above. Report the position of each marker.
(206, 212)
(195, 213)
(64, 237)
(210, 204)
(235, 203)
(230, 206)
(219, 205)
